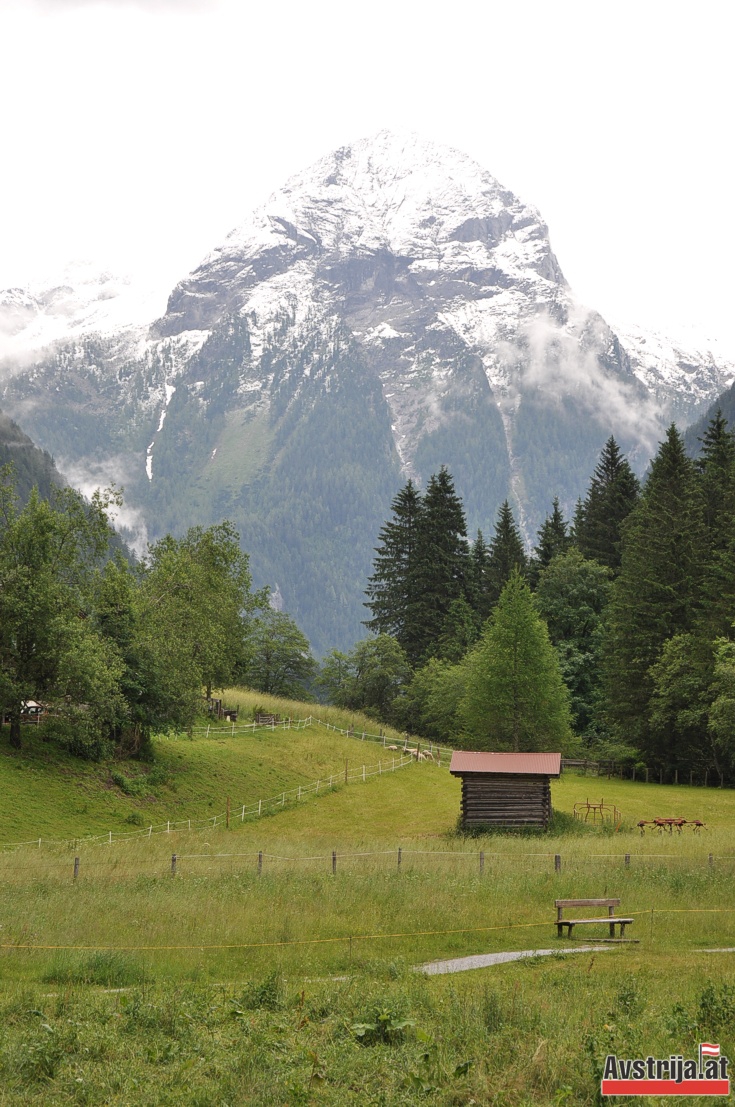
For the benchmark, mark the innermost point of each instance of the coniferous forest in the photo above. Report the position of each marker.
(613, 639)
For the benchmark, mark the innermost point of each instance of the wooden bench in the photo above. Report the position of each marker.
(611, 918)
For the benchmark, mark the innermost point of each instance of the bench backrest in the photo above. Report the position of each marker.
(587, 903)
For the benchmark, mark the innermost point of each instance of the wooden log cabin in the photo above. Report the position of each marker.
(505, 789)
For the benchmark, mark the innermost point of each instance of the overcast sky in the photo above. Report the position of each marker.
(139, 132)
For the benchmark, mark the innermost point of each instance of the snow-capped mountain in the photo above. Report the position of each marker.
(77, 301)
(389, 310)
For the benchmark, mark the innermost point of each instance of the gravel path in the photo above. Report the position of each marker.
(481, 960)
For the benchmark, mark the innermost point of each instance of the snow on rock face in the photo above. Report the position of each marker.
(678, 370)
(80, 300)
(448, 283)
(391, 196)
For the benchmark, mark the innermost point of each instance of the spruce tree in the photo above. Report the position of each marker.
(506, 553)
(516, 698)
(460, 631)
(553, 539)
(477, 578)
(393, 587)
(442, 563)
(657, 590)
(716, 469)
(571, 596)
(612, 495)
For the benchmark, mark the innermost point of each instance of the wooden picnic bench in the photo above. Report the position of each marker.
(611, 918)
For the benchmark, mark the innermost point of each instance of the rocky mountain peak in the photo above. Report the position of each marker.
(391, 196)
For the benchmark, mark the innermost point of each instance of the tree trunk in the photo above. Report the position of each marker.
(15, 739)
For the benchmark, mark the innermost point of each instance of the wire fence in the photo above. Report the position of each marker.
(405, 743)
(236, 813)
(398, 860)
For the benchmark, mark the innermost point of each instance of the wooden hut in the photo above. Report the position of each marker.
(505, 789)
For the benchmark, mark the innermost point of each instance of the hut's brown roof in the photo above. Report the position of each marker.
(540, 764)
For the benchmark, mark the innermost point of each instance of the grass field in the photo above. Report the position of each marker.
(223, 985)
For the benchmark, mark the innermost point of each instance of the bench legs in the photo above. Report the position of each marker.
(570, 926)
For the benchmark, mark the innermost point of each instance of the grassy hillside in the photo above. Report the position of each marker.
(47, 794)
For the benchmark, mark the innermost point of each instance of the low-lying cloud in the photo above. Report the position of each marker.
(88, 476)
(566, 360)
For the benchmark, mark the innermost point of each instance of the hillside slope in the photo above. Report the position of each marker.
(45, 793)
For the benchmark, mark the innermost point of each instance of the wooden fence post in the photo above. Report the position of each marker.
(260, 861)
(76, 867)
(334, 862)
(711, 860)
(557, 862)
(399, 858)
(173, 864)
(627, 860)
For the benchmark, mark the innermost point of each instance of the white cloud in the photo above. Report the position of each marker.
(88, 476)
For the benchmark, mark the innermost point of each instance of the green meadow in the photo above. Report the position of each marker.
(282, 981)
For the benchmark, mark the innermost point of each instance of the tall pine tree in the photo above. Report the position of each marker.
(506, 553)
(420, 568)
(442, 562)
(656, 594)
(393, 588)
(612, 495)
(553, 539)
(716, 469)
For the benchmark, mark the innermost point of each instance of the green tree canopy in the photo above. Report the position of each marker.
(393, 588)
(280, 659)
(553, 539)
(612, 495)
(716, 481)
(721, 723)
(571, 596)
(506, 553)
(443, 561)
(656, 594)
(516, 698)
(681, 694)
(369, 678)
(48, 553)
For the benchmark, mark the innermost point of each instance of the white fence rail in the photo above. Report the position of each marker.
(238, 812)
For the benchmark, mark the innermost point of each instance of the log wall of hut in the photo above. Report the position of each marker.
(507, 800)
